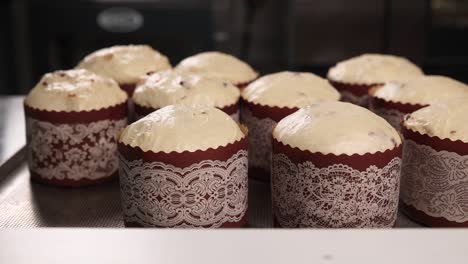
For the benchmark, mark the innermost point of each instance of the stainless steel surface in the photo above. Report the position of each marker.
(27, 204)
(12, 133)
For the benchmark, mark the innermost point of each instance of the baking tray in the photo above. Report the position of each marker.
(26, 204)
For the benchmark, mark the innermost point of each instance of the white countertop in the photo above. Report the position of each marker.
(234, 246)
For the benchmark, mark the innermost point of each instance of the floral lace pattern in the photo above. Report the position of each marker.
(392, 116)
(259, 139)
(73, 151)
(334, 196)
(205, 194)
(361, 100)
(435, 182)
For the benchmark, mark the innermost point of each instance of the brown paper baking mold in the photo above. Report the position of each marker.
(312, 189)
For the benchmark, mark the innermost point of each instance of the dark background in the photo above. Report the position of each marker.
(37, 36)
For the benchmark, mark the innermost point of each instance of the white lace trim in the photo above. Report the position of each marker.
(259, 139)
(205, 194)
(73, 151)
(393, 116)
(435, 182)
(335, 196)
(361, 100)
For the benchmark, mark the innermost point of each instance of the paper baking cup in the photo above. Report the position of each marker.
(260, 120)
(129, 88)
(74, 148)
(337, 191)
(231, 110)
(357, 94)
(203, 189)
(391, 111)
(434, 187)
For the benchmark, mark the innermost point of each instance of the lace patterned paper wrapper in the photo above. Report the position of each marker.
(73, 149)
(260, 121)
(434, 187)
(335, 191)
(231, 110)
(200, 189)
(393, 112)
(357, 94)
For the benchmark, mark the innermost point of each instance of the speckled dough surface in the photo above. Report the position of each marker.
(74, 90)
(220, 65)
(446, 119)
(373, 69)
(125, 64)
(171, 87)
(422, 90)
(289, 89)
(337, 128)
(182, 127)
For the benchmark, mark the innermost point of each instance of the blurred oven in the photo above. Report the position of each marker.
(432, 33)
(63, 32)
(330, 31)
(7, 68)
(271, 35)
(447, 38)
